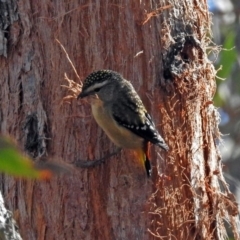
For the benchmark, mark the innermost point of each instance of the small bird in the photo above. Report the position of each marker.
(119, 111)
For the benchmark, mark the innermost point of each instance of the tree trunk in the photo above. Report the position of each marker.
(162, 51)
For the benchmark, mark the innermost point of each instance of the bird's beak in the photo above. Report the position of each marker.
(82, 95)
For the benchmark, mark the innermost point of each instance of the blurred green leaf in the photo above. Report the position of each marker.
(13, 162)
(218, 101)
(228, 56)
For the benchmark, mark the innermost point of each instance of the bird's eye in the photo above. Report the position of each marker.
(96, 89)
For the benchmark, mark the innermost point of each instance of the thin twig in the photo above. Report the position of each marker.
(68, 58)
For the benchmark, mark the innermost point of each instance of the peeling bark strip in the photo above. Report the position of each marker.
(8, 227)
(8, 15)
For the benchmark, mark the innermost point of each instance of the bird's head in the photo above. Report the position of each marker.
(101, 83)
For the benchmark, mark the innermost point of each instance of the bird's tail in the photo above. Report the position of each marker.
(148, 166)
(143, 155)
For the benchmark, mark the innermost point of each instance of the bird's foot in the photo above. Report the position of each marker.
(94, 163)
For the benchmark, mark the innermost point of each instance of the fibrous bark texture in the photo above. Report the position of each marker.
(8, 17)
(160, 46)
(194, 197)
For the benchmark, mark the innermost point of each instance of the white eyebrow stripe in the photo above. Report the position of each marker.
(97, 85)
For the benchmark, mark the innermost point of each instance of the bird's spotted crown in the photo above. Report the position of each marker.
(99, 76)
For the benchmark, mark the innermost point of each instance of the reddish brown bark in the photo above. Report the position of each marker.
(114, 200)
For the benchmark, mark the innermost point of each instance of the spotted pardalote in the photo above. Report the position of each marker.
(119, 111)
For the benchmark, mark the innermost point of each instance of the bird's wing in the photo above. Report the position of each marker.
(131, 114)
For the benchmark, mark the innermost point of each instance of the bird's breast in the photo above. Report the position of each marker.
(119, 135)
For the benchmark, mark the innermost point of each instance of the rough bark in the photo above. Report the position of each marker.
(163, 53)
(8, 227)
